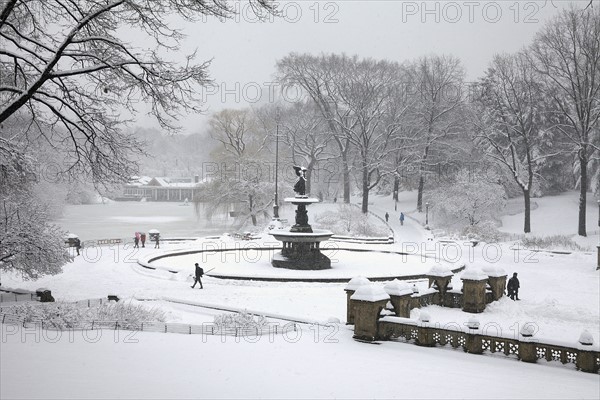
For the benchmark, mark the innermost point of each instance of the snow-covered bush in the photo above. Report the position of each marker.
(483, 232)
(62, 315)
(550, 242)
(241, 320)
(350, 221)
(469, 198)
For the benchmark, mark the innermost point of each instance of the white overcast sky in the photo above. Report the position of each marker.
(245, 51)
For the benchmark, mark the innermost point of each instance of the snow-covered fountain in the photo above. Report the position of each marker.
(301, 244)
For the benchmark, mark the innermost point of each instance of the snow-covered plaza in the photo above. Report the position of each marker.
(560, 296)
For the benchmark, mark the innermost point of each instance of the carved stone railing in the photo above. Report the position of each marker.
(367, 302)
(585, 357)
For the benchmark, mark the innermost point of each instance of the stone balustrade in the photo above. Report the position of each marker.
(584, 356)
(365, 302)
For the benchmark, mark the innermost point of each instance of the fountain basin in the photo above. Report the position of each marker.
(301, 250)
(317, 235)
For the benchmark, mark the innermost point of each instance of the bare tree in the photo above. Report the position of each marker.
(436, 83)
(567, 54)
(69, 79)
(511, 116)
(243, 179)
(237, 131)
(65, 67)
(29, 243)
(313, 75)
(369, 112)
(306, 134)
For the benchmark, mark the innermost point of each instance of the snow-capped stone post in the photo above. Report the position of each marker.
(474, 282)
(424, 332)
(368, 301)
(400, 295)
(496, 280)
(441, 277)
(586, 358)
(527, 345)
(473, 344)
(350, 288)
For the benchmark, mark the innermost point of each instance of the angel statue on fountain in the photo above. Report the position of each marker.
(300, 185)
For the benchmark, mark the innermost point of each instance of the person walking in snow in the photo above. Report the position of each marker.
(513, 287)
(136, 241)
(387, 217)
(198, 274)
(77, 245)
(402, 218)
(143, 239)
(156, 242)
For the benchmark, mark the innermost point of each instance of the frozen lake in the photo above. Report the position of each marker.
(123, 219)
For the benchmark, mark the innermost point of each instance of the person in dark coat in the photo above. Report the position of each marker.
(156, 242)
(401, 218)
(387, 217)
(143, 239)
(77, 245)
(199, 273)
(136, 242)
(513, 287)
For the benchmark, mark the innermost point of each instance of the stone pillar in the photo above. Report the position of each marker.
(401, 305)
(527, 350)
(497, 281)
(527, 345)
(424, 332)
(474, 344)
(474, 291)
(586, 359)
(441, 276)
(368, 301)
(350, 288)
(400, 297)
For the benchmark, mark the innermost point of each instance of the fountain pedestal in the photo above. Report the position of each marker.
(301, 244)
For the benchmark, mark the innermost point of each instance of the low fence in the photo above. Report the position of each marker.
(372, 240)
(10, 297)
(526, 349)
(164, 327)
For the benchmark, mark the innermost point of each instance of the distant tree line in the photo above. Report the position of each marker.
(365, 125)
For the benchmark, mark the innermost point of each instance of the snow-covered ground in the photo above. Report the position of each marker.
(557, 215)
(560, 295)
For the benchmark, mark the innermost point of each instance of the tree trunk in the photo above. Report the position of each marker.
(308, 179)
(252, 215)
(582, 191)
(365, 189)
(422, 178)
(420, 194)
(396, 188)
(346, 177)
(527, 197)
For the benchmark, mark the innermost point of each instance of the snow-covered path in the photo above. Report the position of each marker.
(410, 232)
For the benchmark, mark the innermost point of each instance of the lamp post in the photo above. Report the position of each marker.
(598, 267)
(395, 200)
(427, 214)
(276, 202)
